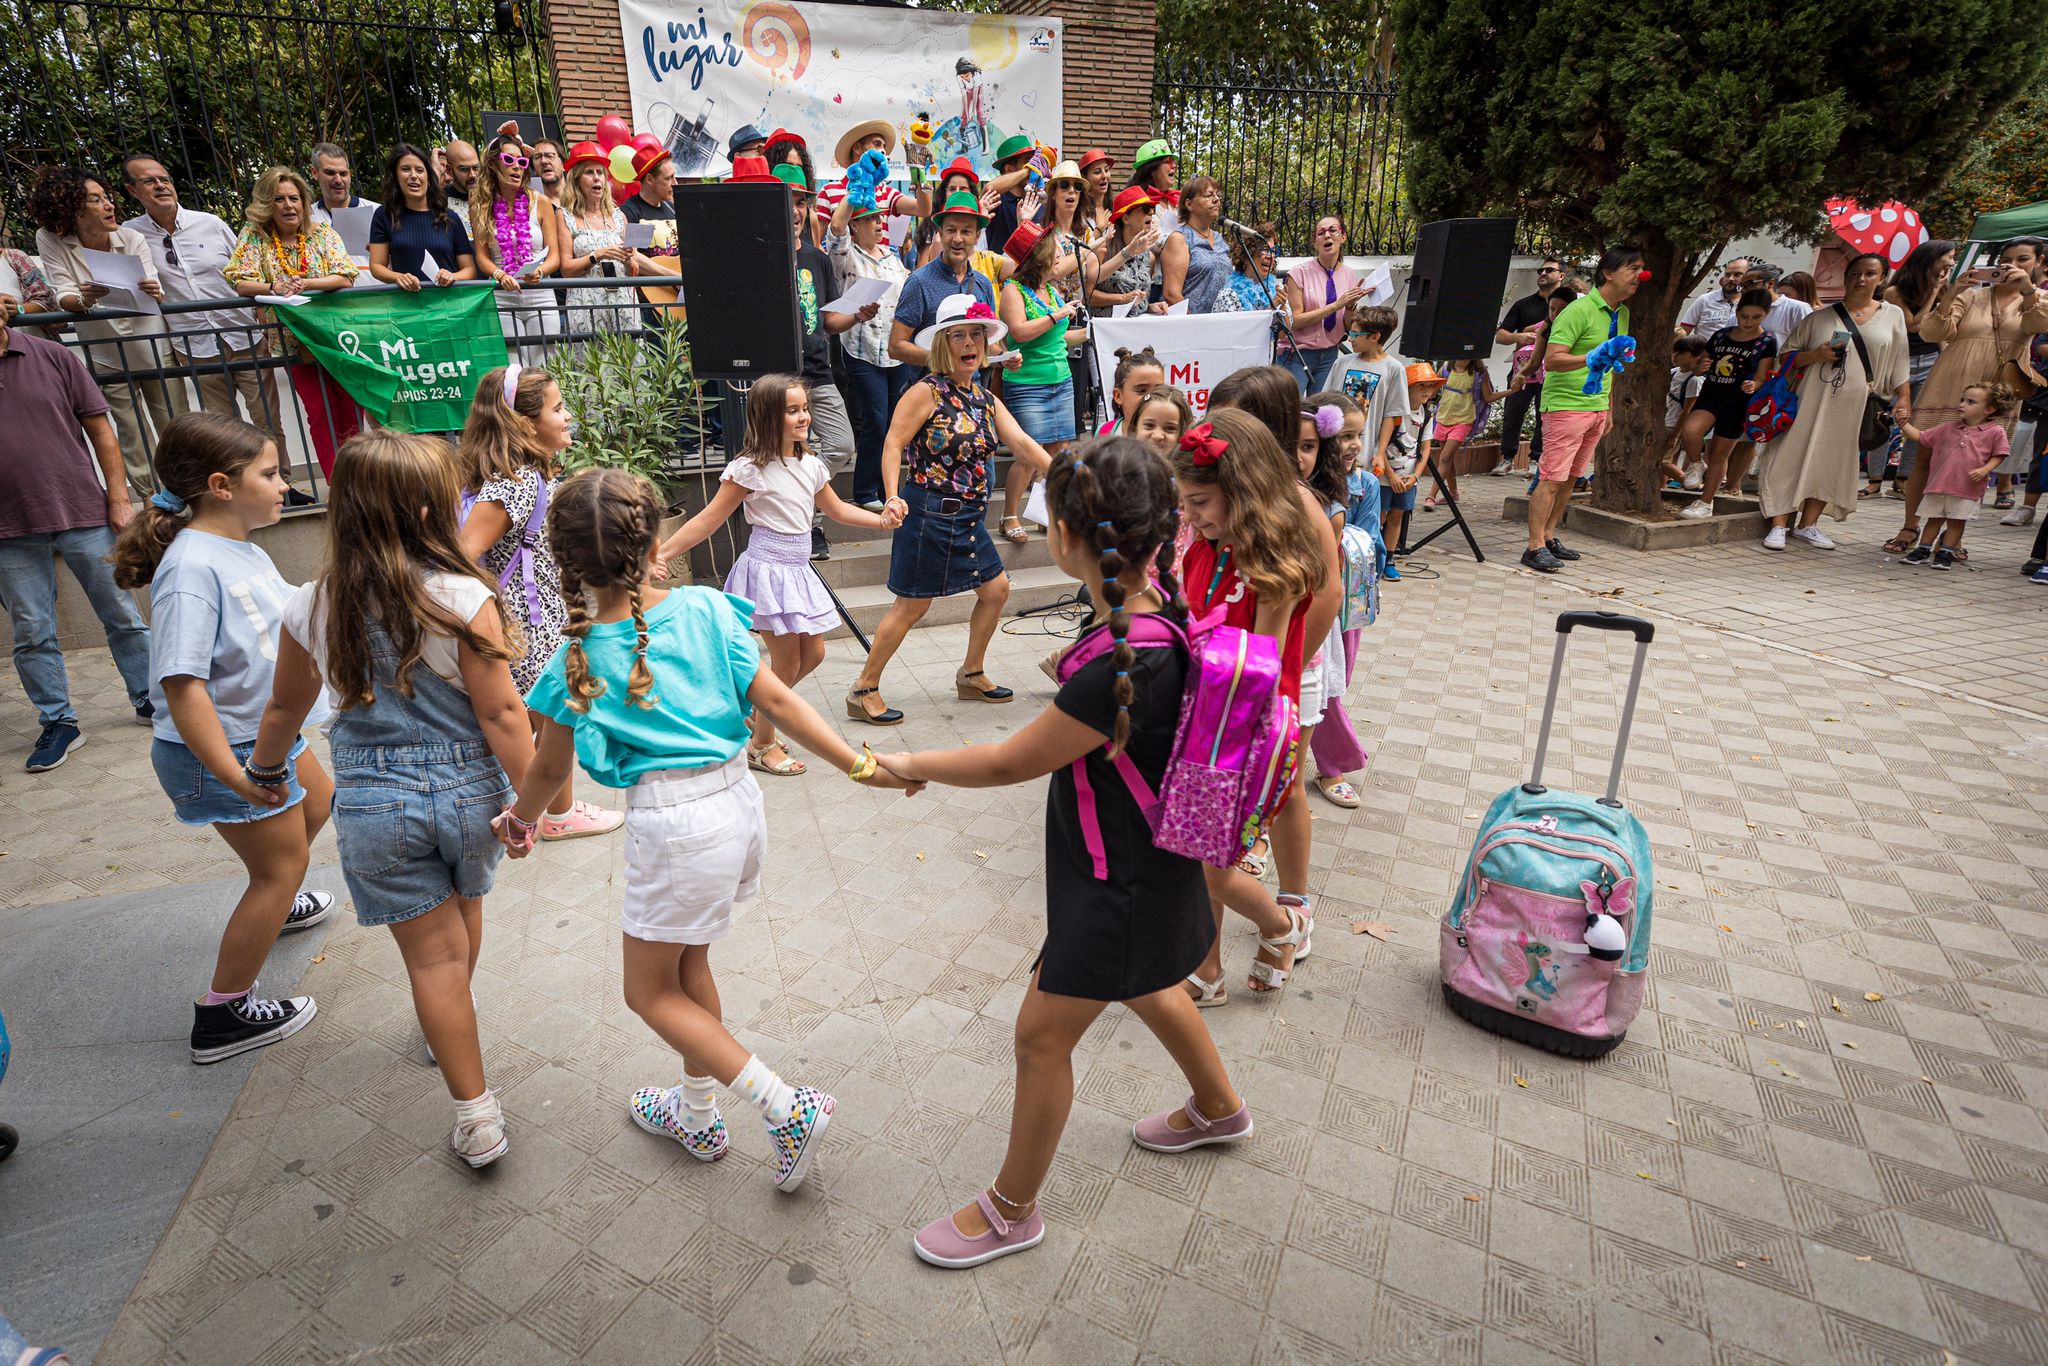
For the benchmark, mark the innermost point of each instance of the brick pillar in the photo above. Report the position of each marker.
(1106, 72)
(588, 64)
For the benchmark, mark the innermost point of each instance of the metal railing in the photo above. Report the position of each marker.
(251, 374)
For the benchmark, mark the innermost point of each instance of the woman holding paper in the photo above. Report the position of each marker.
(517, 233)
(284, 252)
(75, 224)
(413, 226)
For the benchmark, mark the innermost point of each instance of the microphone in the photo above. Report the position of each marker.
(1238, 227)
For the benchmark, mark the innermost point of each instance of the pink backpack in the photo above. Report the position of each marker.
(1233, 751)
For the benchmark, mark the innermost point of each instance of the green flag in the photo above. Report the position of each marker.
(412, 360)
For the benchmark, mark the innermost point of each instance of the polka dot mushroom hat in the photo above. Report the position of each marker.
(1891, 230)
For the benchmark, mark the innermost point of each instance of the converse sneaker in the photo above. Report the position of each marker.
(659, 1110)
(2019, 516)
(1500, 469)
(1919, 554)
(479, 1137)
(308, 910)
(796, 1141)
(251, 1021)
(1774, 539)
(1814, 537)
(1697, 508)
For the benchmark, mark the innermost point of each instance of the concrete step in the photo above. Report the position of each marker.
(1029, 588)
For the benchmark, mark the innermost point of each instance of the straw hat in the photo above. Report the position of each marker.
(1066, 170)
(843, 153)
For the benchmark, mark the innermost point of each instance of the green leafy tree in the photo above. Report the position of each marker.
(1352, 34)
(1678, 128)
(2008, 165)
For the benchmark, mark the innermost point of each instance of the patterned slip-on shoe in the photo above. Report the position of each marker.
(659, 1110)
(796, 1140)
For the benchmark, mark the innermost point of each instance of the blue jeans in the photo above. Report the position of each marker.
(28, 587)
(872, 392)
(1310, 366)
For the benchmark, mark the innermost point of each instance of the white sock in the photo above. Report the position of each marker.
(471, 1111)
(774, 1097)
(698, 1108)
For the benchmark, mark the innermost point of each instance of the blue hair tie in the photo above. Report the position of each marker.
(1109, 525)
(167, 501)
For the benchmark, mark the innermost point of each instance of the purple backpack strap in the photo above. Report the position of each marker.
(521, 563)
(1149, 631)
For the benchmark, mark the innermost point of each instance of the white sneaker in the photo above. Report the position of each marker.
(2019, 516)
(480, 1139)
(1696, 476)
(1698, 507)
(1774, 539)
(1814, 537)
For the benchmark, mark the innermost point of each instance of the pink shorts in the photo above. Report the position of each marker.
(1457, 431)
(1569, 440)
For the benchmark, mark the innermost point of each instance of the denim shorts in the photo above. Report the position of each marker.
(412, 834)
(1390, 500)
(199, 798)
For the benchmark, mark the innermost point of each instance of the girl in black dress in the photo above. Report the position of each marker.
(1134, 929)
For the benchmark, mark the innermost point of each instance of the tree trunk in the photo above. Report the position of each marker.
(1636, 441)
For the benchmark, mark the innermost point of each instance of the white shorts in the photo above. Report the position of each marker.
(694, 839)
(1322, 678)
(1953, 507)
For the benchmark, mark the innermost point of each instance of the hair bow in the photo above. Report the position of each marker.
(979, 310)
(1329, 420)
(1202, 444)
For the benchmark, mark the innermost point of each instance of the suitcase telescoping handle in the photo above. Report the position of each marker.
(1598, 621)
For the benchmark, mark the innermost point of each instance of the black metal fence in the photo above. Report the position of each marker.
(1292, 143)
(220, 89)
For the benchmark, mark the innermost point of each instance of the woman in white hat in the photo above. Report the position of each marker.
(938, 467)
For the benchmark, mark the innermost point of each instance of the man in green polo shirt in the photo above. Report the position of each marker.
(1574, 420)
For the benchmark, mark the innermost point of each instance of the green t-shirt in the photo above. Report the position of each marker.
(1045, 356)
(1585, 322)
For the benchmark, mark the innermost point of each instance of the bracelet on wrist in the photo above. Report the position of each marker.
(864, 767)
(268, 775)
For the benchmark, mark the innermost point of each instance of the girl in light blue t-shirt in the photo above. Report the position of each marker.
(653, 689)
(216, 604)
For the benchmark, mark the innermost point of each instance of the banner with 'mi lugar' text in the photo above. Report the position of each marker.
(1196, 350)
(411, 360)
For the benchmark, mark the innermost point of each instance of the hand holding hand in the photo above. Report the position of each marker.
(516, 835)
(893, 513)
(900, 767)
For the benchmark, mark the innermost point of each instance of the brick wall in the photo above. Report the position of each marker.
(1107, 68)
(1106, 72)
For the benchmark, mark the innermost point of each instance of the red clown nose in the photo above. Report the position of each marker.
(1643, 275)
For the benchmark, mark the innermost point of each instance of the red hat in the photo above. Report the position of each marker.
(1026, 237)
(585, 154)
(750, 171)
(1128, 198)
(1093, 155)
(647, 159)
(784, 135)
(961, 166)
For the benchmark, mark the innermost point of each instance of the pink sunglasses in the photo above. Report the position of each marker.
(514, 159)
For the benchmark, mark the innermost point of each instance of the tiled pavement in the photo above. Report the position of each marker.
(1756, 1176)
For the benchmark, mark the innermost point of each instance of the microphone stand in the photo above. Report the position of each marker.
(1283, 333)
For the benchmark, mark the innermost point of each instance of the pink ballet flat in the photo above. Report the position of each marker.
(941, 1242)
(1160, 1136)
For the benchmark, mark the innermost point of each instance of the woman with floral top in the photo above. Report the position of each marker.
(517, 234)
(944, 437)
(284, 250)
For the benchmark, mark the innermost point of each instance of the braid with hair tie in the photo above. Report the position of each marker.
(640, 682)
(583, 687)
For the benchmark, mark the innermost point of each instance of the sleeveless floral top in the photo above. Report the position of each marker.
(956, 449)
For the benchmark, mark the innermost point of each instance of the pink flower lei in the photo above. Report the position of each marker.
(517, 231)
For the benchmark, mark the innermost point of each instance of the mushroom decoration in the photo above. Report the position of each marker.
(1891, 230)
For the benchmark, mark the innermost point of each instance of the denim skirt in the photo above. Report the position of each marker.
(199, 798)
(1044, 411)
(943, 546)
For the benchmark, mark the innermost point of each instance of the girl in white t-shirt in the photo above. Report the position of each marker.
(780, 481)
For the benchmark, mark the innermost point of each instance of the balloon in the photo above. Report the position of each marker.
(621, 162)
(612, 131)
(646, 142)
(622, 193)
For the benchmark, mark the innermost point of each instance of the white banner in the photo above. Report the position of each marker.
(1196, 351)
(698, 72)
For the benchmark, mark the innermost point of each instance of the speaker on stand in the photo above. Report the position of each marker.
(1454, 296)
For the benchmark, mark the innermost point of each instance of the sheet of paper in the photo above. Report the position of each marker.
(284, 300)
(1175, 310)
(430, 269)
(860, 292)
(1379, 286)
(121, 274)
(354, 227)
(1122, 310)
(639, 236)
(1034, 505)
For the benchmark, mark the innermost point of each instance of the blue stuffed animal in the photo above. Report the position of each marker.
(1612, 354)
(864, 177)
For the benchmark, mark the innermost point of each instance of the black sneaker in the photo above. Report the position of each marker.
(821, 549)
(145, 713)
(1559, 550)
(54, 746)
(1919, 554)
(1944, 558)
(2031, 568)
(1541, 560)
(296, 497)
(220, 1032)
(308, 910)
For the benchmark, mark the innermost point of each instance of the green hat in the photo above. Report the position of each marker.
(963, 203)
(792, 175)
(1156, 150)
(1014, 147)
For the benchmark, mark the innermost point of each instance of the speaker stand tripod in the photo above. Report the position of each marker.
(1450, 502)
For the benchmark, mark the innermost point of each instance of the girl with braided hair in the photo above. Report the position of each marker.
(652, 691)
(1125, 919)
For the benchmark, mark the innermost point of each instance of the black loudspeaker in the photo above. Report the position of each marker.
(738, 247)
(1454, 291)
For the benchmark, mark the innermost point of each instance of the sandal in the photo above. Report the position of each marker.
(1208, 995)
(1270, 977)
(789, 767)
(1340, 793)
(1294, 901)
(969, 692)
(857, 709)
(1877, 492)
(1013, 530)
(2003, 504)
(1907, 538)
(1050, 665)
(1254, 860)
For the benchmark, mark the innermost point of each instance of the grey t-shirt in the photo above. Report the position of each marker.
(215, 609)
(1381, 388)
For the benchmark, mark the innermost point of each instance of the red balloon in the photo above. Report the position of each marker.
(613, 130)
(646, 142)
(622, 193)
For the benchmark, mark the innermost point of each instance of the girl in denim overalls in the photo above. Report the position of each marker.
(408, 634)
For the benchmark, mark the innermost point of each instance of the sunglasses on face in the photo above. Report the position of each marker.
(514, 159)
